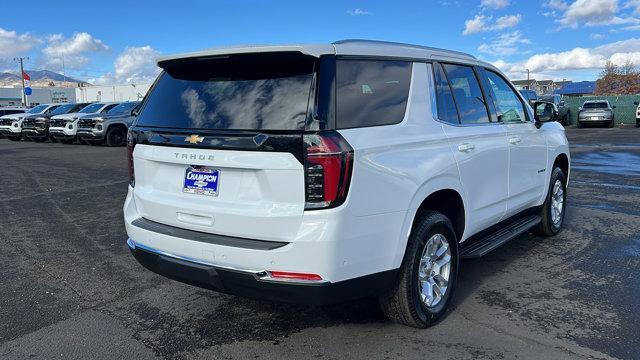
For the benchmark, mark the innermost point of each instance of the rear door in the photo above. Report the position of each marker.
(219, 145)
(479, 146)
(527, 144)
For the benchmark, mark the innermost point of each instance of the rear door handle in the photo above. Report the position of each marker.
(466, 147)
(514, 140)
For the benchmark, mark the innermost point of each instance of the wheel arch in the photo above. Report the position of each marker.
(442, 194)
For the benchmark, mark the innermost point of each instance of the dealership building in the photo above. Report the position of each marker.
(10, 96)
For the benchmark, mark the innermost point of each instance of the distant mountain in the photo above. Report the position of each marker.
(39, 78)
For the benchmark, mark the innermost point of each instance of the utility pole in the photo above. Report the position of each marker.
(64, 73)
(20, 60)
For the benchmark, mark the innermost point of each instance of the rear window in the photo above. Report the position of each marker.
(595, 105)
(268, 91)
(371, 92)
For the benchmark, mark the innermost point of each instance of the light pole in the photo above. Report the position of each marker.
(527, 74)
(20, 60)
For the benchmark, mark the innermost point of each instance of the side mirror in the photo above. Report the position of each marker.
(135, 111)
(636, 103)
(613, 107)
(545, 112)
(562, 103)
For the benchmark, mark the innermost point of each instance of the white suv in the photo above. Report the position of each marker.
(323, 173)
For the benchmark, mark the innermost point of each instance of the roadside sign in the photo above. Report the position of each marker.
(27, 91)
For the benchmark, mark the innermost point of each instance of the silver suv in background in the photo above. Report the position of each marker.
(110, 128)
(596, 112)
(11, 125)
(63, 127)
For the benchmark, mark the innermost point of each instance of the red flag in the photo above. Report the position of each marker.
(26, 76)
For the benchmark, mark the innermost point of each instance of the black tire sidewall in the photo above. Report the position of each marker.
(443, 226)
(111, 132)
(557, 175)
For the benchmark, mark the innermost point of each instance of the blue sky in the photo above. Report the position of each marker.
(117, 41)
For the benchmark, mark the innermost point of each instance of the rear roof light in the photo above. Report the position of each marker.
(328, 167)
(131, 144)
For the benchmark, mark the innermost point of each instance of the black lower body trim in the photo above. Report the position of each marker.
(206, 237)
(248, 285)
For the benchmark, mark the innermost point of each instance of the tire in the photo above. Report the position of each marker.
(549, 227)
(15, 138)
(66, 141)
(611, 124)
(578, 124)
(637, 124)
(39, 139)
(567, 118)
(404, 303)
(116, 136)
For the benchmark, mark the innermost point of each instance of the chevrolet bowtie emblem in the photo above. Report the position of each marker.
(194, 139)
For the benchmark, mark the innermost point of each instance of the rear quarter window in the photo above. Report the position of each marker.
(371, 92)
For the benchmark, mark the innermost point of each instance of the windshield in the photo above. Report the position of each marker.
(38, 109)
(90, 109)
(268, 91)
(123, 108)
(63, 109)
(595, 105)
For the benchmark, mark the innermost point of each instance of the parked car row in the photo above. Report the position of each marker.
(87, 123)
(591, 113)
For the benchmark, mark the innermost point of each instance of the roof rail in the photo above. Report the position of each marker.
(391, 43)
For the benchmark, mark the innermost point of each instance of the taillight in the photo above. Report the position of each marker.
(328, 166)
(131, 143)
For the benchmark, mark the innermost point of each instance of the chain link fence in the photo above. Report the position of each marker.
(625, 111)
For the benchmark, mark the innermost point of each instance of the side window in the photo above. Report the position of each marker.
(509, 108)
(467, 93)
(371, 92)
(446, 106)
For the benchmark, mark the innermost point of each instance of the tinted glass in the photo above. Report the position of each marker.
(595, 105)
(509, 108)
(109, 107)
(37, 109)
(467, 94)
(63, 109)
(371, 92)
(267, 91)
(123, 108)
(89, 109)
(446, 106)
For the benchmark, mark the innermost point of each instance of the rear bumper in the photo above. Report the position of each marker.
(254, 285)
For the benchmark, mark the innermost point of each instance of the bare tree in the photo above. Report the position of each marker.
(618, 80)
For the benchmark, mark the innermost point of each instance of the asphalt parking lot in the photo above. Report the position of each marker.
(71, 290)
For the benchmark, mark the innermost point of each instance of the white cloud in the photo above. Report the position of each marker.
(596, 36)
(358, 12)
(506, 44)
(556, 5)
(594, 13)
(507, 21)
(74, 50)
(12, 43)
(548, 64)
(137, 64)
(495, 4)
(482, 23)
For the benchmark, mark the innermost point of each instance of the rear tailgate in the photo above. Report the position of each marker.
(219, 143)
(260, 194)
